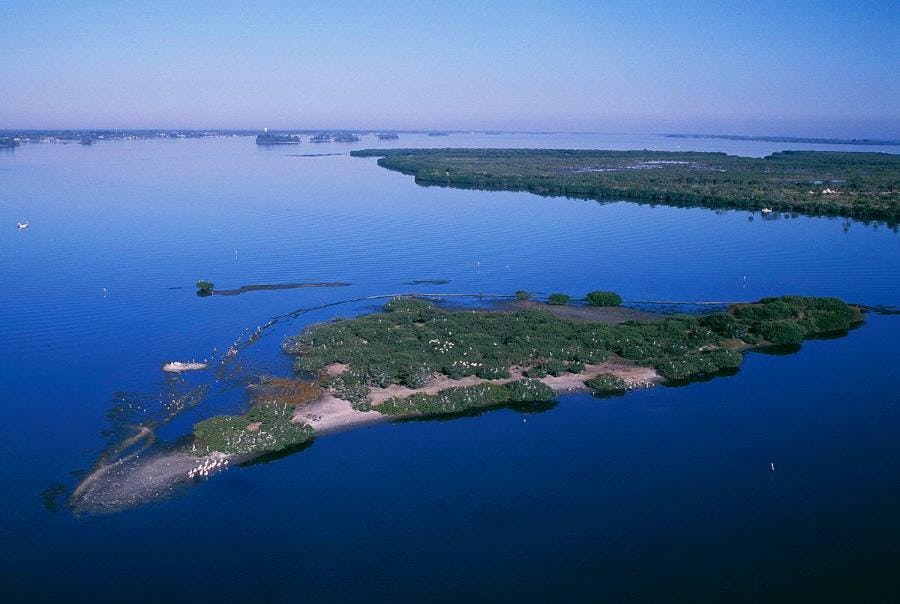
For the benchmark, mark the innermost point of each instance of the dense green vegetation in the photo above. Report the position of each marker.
(554, 367)
(558, 299)
(859, 185)
(412, 339)
(205, 287)
(523, 295)
(456, 400)
(602, 298)
(607, 383)
(788, 320)
(266, 428)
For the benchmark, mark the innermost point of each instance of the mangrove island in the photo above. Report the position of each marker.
(416, 359)
(865, 186)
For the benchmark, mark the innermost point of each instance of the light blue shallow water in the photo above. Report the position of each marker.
(656, 494)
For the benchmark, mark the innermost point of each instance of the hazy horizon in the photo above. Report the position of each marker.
(814, 70)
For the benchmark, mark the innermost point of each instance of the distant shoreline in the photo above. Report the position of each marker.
(77, 135)
(794, 139)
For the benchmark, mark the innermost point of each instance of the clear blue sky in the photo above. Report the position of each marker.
(817, 68)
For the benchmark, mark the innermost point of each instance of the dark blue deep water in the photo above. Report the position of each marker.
(660, 495)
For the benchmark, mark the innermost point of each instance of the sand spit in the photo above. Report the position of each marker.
(137, 480)
(635, 377)
(140, 478)
(148, 475)
(332, 414)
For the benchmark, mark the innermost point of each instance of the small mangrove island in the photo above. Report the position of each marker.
(860, 185)
(275, 138)
(415, 359)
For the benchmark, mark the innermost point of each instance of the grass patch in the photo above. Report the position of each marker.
(601, 298)
(607, 383)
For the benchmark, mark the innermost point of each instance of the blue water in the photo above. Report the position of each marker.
(660, 495)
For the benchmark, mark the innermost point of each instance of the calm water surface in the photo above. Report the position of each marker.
(658, 495)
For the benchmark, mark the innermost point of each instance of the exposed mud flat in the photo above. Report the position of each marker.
(427, 282)
(332, 414)
(137, 480)
(608, 315)
(274, 286)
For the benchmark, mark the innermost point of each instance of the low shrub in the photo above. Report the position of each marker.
(456, 400)
(602, 298)
(685, 367)
(553, 367)
(559, 299)
(350, 387)
(784, 331)
(607, 383)
(530, 391)
(725, 324)
(273, 430)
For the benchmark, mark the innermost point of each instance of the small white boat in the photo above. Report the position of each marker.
(22, 225)
(766, 210)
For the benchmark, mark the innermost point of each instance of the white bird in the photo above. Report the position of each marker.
(22, 225)
(772, 466)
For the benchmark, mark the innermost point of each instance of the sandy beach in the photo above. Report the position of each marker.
(330, 414)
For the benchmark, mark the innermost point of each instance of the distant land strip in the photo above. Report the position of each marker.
(794, 139)
(860, 185)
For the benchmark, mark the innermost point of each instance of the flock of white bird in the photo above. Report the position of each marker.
(208, 466)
